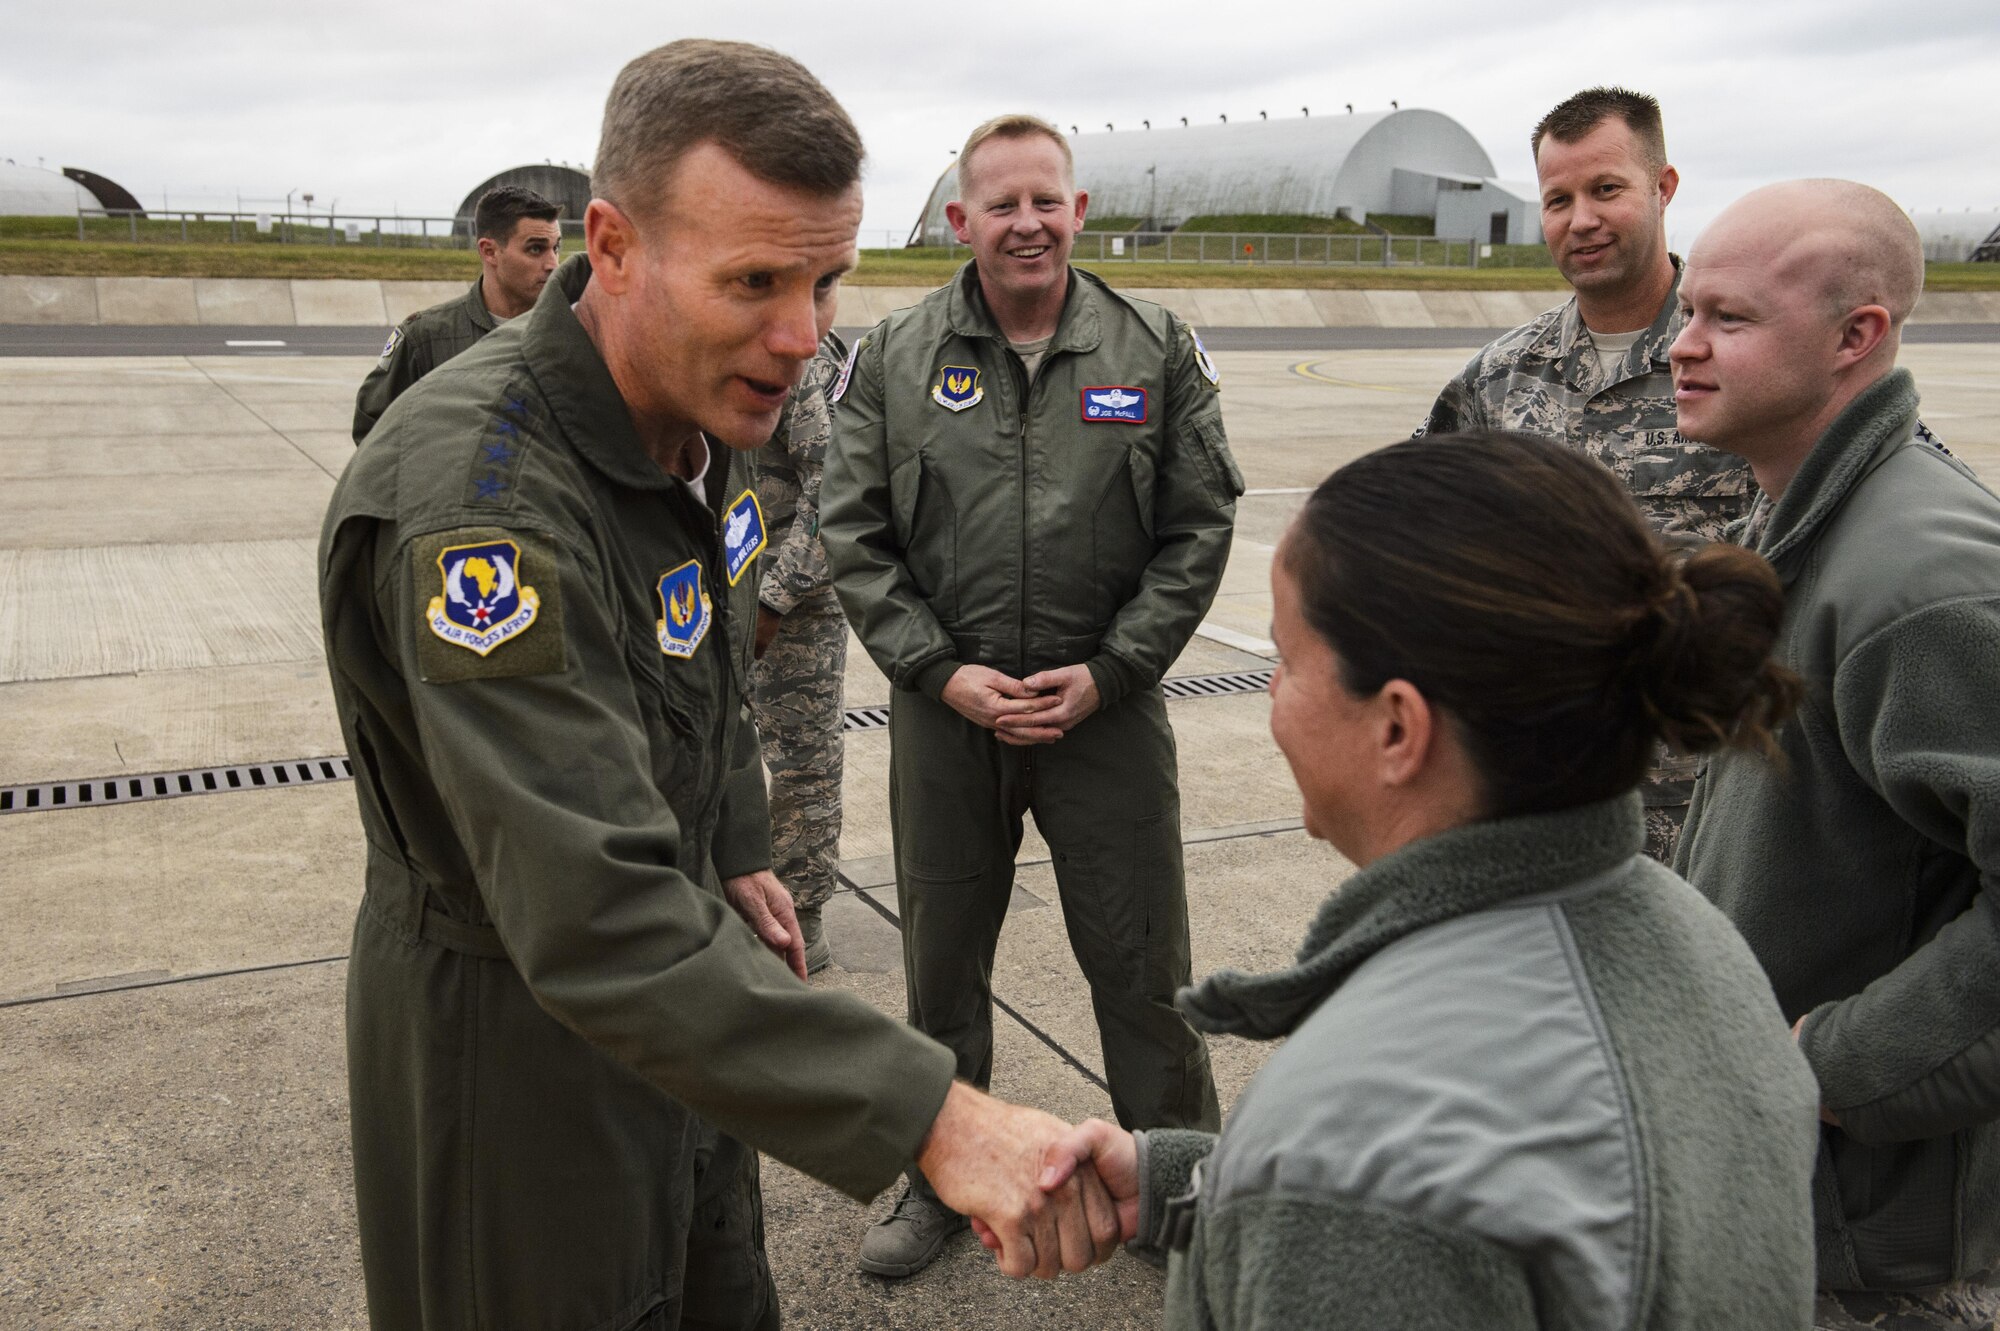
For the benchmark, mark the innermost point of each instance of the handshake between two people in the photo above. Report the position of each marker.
(1045, 1197)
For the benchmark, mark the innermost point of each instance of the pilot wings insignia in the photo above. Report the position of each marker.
(957, 388)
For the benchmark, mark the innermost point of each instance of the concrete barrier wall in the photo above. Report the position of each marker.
(277, 302)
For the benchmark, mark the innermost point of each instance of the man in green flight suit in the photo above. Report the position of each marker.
(538, 593)
(1027, 507)
(520, 243)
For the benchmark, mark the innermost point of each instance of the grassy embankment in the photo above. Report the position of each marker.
(48, 247)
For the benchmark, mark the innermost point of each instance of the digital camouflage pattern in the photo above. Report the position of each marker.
(1545, 378)
(1964, 1307)
(797, 684)
(421, 343)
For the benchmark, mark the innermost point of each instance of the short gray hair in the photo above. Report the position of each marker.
(764, 109)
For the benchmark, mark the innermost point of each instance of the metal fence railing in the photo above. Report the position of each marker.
(1294, 249)
(215, 227)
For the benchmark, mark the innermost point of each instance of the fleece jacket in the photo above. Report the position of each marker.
(1863, 865)
(1530, 1080)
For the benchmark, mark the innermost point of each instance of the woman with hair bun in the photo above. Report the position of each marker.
(1531, 1079)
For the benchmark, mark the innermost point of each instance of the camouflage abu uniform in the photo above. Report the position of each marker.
(797, 683)
(1545, 378)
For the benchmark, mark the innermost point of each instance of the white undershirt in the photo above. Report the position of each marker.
(1613, 346)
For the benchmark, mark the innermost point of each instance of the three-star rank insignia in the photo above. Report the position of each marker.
(684, 610)
(484, 602)
(742, 534)
(957, 388)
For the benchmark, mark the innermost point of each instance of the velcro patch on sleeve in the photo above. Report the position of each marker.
(489, 605)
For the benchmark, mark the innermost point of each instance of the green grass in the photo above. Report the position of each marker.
(66, 257)
(1273, 224)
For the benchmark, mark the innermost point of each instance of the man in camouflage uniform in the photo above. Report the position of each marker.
(801, 655)
(520, 243)
(1593, 372)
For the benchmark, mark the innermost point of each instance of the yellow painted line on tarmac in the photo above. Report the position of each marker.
(1309, 369)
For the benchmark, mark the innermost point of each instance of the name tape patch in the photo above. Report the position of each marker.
(484, 602)
(742, 534)
(1115, 402)
(684, 610)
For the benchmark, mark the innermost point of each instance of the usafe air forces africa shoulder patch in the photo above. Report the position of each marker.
(846, 371)
(395, 340)
(684, 610)
(482, 618)
(1115, 402)
(957, 388)
(742, 534)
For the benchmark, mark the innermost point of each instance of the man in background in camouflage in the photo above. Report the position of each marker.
(520, 243)
(801, 654)
(1593, 372)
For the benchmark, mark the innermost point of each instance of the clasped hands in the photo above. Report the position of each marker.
(1021, 712)
(1043, 1196)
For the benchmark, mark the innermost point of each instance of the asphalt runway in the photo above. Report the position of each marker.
(98, 340)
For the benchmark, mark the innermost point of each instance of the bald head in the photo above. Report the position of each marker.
(1847, 241)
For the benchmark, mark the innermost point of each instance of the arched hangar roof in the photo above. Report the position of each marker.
(1312, 165)
(27, 191)
(559, 184)
(1956, 237)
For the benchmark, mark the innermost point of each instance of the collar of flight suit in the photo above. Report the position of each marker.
(475, 305)
(577, 384)
(1567, 337)
(1080, 329)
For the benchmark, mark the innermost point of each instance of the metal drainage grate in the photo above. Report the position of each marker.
(307, 771)
(172, 785)
(1215, 686)
(865, 718)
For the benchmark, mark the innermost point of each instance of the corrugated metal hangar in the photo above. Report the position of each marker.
(1414, 162)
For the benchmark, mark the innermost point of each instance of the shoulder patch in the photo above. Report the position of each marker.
(480, 616)
(742, 534)
(685, 610)
(1202, 361)
(846, 370)
(395, 340)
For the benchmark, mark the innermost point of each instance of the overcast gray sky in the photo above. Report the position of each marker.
(409, 105)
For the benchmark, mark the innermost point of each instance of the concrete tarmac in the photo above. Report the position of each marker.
(173, 1146)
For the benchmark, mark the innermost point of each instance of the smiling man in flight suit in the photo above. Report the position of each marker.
(1027, 507)
(538, 591)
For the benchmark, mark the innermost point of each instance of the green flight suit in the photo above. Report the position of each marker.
(418, 345)
(539, 658)
(974, 517)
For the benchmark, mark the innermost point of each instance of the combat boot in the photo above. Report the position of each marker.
(818, 955)
(910, 1238)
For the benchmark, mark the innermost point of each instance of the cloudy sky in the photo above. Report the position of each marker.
(407, 106)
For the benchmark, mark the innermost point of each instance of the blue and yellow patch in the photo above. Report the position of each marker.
(483, 602)
(957, 388)
(1202, 360)
(684, 610)
(1115, 402)
(742, 534)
